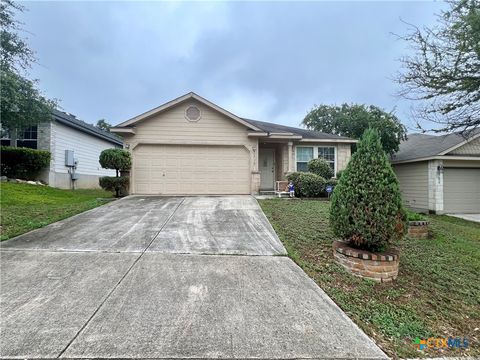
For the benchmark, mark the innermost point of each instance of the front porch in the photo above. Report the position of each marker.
(275, 162)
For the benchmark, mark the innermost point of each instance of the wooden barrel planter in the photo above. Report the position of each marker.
(380, 267)
(418, 229)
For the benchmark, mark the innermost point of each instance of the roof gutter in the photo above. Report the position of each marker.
(437, 157)
(350, 141)
(86, 130)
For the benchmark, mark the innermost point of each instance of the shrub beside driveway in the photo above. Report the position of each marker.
(437, 292)
(27, 207)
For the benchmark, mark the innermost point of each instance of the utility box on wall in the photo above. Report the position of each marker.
(69, 158)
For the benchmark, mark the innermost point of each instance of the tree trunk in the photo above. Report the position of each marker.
(13, 138)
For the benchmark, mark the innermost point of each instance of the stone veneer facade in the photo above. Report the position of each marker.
(381, 267)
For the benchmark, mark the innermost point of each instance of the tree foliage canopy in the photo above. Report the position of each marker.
(103, 125)
(352, 121)
(443, 74)
(366, 205)
(117, 159)
(14, 51)
(22, 102)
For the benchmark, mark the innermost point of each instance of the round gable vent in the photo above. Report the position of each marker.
(192, 113)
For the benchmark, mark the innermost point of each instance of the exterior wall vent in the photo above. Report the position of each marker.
(192, 113)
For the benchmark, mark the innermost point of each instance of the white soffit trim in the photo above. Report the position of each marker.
(350, 141)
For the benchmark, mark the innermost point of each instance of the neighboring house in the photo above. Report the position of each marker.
(192, 146)
(65, 132)
(440, 174)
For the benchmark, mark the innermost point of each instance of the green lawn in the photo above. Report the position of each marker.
(26, 207)
(436, 294)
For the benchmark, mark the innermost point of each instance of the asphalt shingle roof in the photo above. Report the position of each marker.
(306, 134)
(419, 146)
(73, 122)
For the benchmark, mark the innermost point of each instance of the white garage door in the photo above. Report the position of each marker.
(461, 190)
(185, 169)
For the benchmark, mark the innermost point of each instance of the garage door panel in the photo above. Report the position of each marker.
(183, 169)
(461, 190)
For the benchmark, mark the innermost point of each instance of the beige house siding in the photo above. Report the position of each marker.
(212, 129)
(413, 180)
(471, 148)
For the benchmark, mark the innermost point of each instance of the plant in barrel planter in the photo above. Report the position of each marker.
(367, 213)
(119, 160)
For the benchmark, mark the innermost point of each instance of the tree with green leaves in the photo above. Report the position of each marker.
(352, 120)
(366, 208)
(22, 104)
(103, 125)
(443, 74)
(118, 160)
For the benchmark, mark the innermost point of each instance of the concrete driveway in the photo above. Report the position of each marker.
(158, 277)
(469, 217)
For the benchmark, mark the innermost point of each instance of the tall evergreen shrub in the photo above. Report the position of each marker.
(366, 208)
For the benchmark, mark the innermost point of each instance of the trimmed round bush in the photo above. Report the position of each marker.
(23, 163)
(307, 184)
(366, 205)
(320, 167)
(119, 184)
(117, 159)
(121, 161)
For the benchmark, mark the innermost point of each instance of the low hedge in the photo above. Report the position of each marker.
(23, 163)
(308, 184)
(119, 184)
(320, 167)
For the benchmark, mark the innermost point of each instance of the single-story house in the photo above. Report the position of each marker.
(69, 139)
(192, 146)
(440, 174)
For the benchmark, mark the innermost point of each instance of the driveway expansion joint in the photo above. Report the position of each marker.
(119, 282)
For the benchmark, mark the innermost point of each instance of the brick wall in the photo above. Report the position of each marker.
(381, 267)
(418, 229)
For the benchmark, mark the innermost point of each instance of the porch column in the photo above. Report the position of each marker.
(290, 157)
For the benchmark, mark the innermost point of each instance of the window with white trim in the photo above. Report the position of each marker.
(327, 153)
(306, 153)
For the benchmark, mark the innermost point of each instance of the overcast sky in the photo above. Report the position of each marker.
(263, 60)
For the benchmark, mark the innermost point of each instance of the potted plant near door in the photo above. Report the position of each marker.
(367, 213)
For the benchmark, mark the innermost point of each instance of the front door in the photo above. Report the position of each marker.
(267, 168)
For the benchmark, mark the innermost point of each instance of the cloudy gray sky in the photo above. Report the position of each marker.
(264, 60)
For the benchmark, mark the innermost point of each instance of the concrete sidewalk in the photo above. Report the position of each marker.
(83, 288)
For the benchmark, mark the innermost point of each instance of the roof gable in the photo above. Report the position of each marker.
(258, 128)
(421, 146)
(179, 100)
